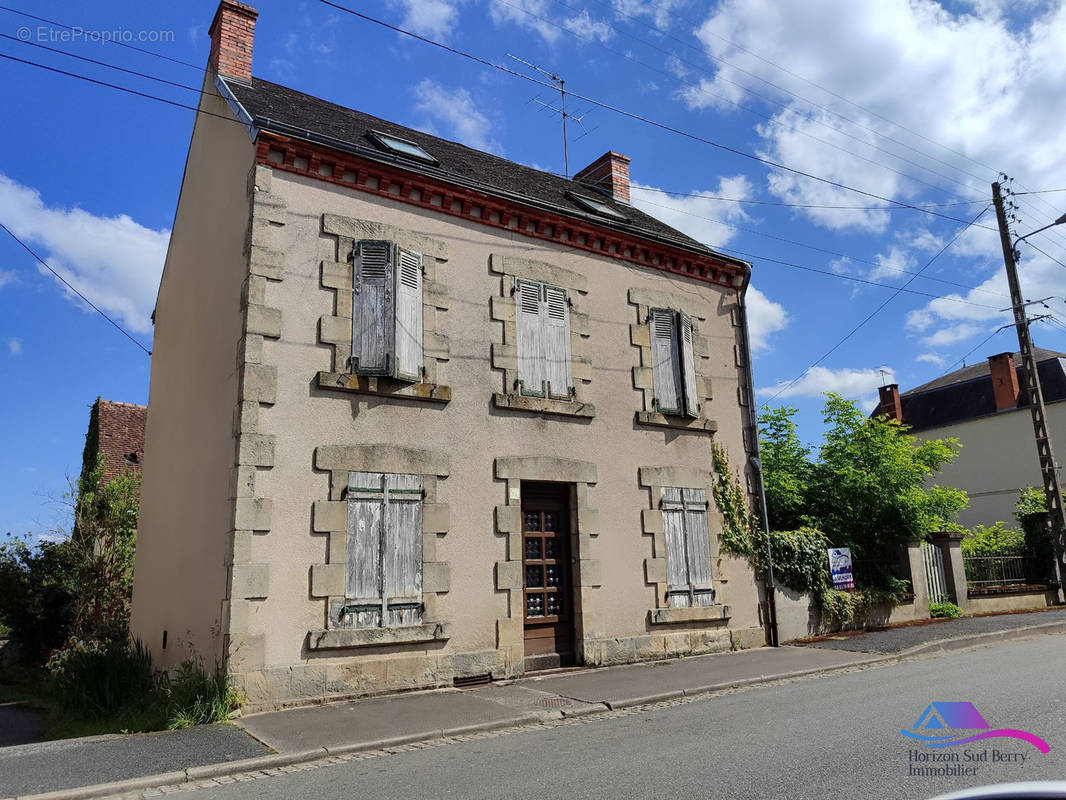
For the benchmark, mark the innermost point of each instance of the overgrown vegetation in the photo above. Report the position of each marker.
(944, 610)
(993, 540)
(66, 604)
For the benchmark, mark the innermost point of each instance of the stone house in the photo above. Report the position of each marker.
(420, 414)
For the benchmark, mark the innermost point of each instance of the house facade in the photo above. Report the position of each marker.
(986, 407)
(419, 414)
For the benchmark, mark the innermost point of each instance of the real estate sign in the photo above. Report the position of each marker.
(840, 568)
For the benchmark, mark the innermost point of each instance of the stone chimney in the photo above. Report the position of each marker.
(608, 173)
(232, 35)
(890, 405)
(1004, 380)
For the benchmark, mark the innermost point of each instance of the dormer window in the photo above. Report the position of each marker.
(597, 207)
(401, 147)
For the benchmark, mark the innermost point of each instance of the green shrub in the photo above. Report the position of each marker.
(944, 610)
(1031, 500)
(95, 678)
(196, 697)
(994, 540)
(841, 609)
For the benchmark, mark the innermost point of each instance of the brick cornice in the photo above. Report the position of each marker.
(326, 164)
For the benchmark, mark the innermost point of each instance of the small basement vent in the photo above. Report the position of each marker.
(468, 681)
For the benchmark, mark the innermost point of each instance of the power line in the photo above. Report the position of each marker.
(67, 283)
(876, 311)
(979, 346)
(1041, 191)
(703, 196)
(637, 117)
(96, 37)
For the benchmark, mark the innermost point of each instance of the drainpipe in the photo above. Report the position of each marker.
(756, 466)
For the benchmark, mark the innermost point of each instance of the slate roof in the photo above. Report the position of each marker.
(967, 393)
(288, 112)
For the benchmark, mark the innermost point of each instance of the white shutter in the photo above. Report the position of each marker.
(555, 319)
(366, 515)
(666, 372)
(677, 581)
(402, 550)
(372, 307)
(688, 366)
(408, 362)
(698, 541)
(688, 548)
(531, 372)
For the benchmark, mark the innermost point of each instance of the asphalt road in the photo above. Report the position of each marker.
(836, 736)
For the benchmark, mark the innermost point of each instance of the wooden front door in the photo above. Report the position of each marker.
(548, 594)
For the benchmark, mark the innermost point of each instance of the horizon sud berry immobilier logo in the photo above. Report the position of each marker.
(950, 724)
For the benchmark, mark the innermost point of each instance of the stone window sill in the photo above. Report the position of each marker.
(654, 418)
(542, 405)
(334, 638)
(384, 387)
(675, 616)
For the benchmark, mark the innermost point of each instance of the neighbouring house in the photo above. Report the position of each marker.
(986, 407)
(116, 431)
(422, 415)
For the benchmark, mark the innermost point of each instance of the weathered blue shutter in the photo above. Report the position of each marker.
(688, 366)
(666, 372)
(402, 550)
(555, 326)
(531, 367)
(408, 338)
(366, 516)
(372, 307)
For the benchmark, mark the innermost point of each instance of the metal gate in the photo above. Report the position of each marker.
(934, 573)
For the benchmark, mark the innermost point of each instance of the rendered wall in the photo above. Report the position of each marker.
(183, 550)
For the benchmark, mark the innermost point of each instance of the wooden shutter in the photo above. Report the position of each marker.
(366, 516)
(666, 372)
(555, 321)
(688, 549)
(408, 339)
(402, 550)
(698, 542)
(688, 366)
(531, 368)
(372, 307)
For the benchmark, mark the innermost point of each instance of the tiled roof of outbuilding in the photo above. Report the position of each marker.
(121, 436)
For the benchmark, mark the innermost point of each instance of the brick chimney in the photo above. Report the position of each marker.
(608, 173)
(1004, 380)
(232, 34)
(890, 405)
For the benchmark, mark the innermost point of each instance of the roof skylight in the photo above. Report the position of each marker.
(598, 207)
(401, 147)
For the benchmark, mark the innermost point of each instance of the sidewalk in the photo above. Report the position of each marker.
(318, 732)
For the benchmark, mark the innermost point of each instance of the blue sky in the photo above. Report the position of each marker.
(910, 100)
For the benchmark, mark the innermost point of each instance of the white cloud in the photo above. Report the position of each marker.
(765, 317)
(7, 276)
(14, 346)
(113, 261)
(931, 358)
(659, 11)
(911, 61)
(858, 384)
(953, 334)
(695, 215)
(529, 14)
(433, 18)
(456, 109)
(585, 27)
(892, 264)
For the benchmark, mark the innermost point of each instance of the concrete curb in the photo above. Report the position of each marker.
(265, 763)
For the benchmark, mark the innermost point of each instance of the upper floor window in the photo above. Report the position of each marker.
(387, 310)
(673, 363)
(542, 316)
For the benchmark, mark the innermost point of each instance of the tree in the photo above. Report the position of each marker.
(868, 487)
(786, 468)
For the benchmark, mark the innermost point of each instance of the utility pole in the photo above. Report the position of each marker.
(1048, 466)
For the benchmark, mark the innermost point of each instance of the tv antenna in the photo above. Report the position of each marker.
(561, 111)
(884, 376)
